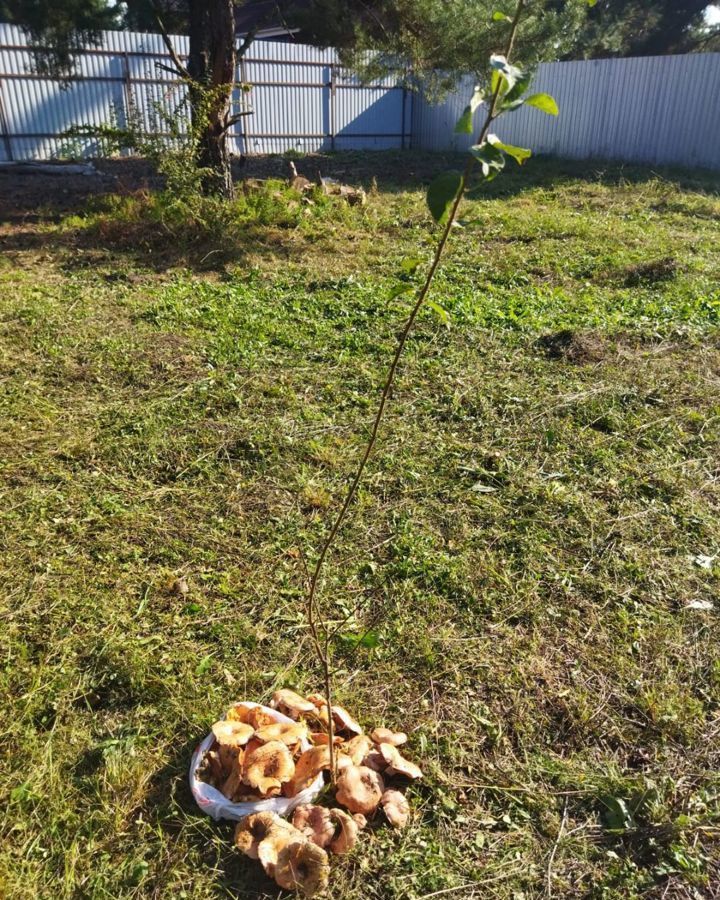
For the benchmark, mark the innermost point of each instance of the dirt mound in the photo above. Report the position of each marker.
(651, 272)
(578, 347)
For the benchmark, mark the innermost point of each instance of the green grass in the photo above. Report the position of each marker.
(524, 547)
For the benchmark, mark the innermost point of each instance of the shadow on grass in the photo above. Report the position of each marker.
(33, 203)
(398, 171)
(170, 807)
(104, 231)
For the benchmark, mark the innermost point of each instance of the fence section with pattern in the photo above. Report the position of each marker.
(658, 110)
(301, 99)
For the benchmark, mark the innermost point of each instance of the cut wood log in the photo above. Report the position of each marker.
(40, 168)
(299, 182)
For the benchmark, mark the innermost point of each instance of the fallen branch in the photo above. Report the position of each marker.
(29, 167)
(551, 859)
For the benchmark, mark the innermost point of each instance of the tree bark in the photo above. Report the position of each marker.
(211, 66)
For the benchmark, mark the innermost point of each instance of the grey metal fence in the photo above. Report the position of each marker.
(661, 110)
(658, 110)
(301, 99)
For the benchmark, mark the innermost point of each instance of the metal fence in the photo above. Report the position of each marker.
(658, 110)
(301, 99)
(661, 110)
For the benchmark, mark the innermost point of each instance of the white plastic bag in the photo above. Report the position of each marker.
(217, 805)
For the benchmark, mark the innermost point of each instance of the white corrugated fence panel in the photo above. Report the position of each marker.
(38, 111)
(655, 110)
(662, 110)
(303, 100)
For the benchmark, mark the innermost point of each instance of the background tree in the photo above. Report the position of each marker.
(58, 28)
(210, 75)
(449, 35)
(436, 34)
(431, 35)
(61, 28)
(646, 28)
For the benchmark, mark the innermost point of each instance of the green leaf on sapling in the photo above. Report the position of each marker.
(441, 312)
(543, 102)
(410, 265)
(504, 76)
(442, 194)
(464, 124)
(492, 160)
(399, 289)
(519, 154)
(513, 98)
(368, 639)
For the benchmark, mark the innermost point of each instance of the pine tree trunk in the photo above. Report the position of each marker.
(211, 65)
(213, 156)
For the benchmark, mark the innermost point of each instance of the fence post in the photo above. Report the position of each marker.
(245, 120)
(413, 97)
(241, 109)
(5, 127)
(127, 97)
(332, 106)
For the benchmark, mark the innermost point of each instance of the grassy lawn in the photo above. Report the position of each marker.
(533, 550)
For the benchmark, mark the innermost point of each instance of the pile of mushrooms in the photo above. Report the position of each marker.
(252, 758)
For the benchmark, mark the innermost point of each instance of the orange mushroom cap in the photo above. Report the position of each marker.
(308, 767)
(386, 736)
(317, 700)
(232, 734)
(289, 733)
(230, 738)
(315, 823)
(275, 841)
(397, 764)
(268, 767)
(344, 721)
(210, 769)
(238, 713)
(303, 867)
(232, 784)
(247, 795)
(359, 789)
(346, 832)
(396, 808)
(258, 717)
(253, 829)
(375, 761)
(342, 761)
(357, 748)
(318, 710)
(321, 737)
(291, 703)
